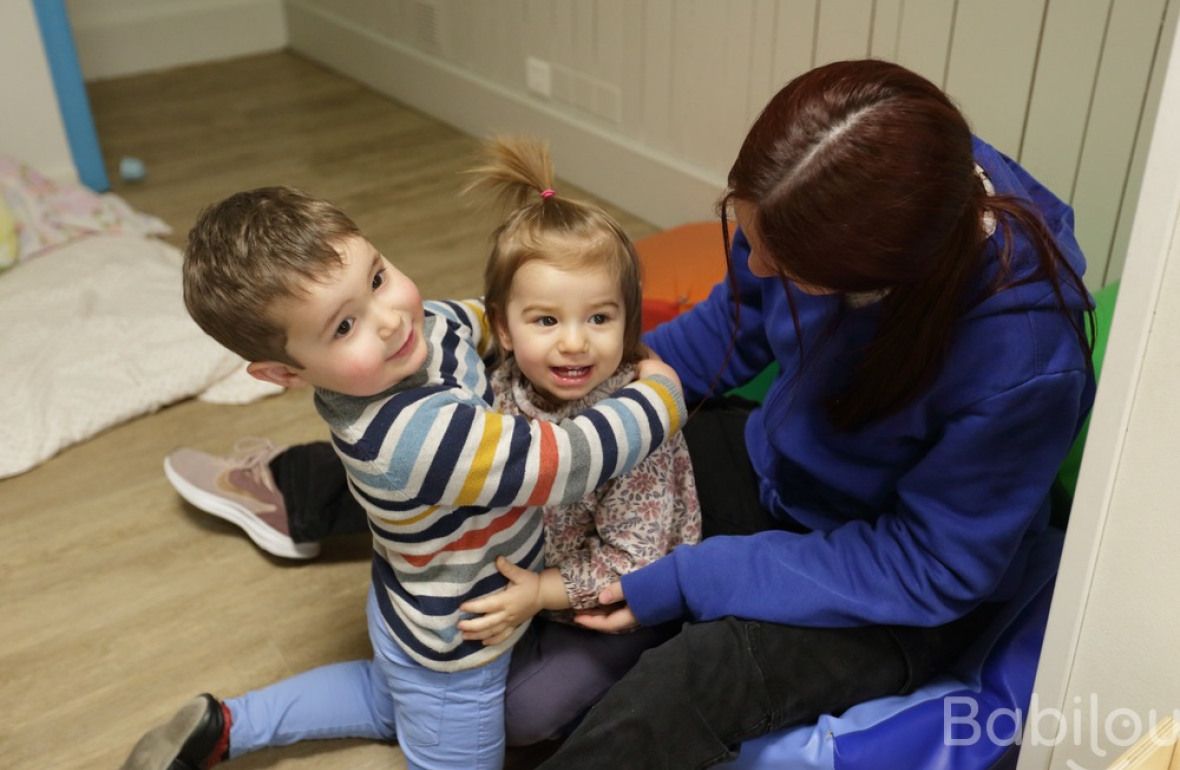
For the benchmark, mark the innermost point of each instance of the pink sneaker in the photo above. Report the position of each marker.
(240, 489)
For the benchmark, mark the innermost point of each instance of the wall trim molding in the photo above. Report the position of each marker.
(652, 185)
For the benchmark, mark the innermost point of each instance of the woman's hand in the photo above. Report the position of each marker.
(613, 616)
(501, 612)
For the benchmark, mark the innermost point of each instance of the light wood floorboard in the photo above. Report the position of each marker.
(119, 601)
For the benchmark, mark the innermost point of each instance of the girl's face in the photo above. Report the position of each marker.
(565, 328)
(761, 263)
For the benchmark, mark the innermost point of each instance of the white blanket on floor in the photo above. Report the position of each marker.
(96, 333)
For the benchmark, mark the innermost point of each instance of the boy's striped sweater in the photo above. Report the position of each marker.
(449, 484)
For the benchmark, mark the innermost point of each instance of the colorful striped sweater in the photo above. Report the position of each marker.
(449, 484)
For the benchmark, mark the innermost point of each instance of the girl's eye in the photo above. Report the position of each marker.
(378, 279)
(345, 327)
(598, 319)
(547, 320)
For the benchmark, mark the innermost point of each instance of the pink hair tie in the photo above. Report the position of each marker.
(547, 192)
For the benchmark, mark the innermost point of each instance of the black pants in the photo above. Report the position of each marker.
(690, 702)
(315, 490)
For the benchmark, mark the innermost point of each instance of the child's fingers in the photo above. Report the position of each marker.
(484, 605)
(482, 623)
(500, 637)
(473, 637)
(485, 634)
(510, 570)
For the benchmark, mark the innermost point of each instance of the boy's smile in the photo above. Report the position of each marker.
(357, 330)
(564, 327)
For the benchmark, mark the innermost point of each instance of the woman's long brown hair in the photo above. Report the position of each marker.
(863, 179)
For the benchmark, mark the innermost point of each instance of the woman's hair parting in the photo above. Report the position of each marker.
(862, 178)
(542, 224)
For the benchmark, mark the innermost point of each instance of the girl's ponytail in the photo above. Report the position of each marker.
(517, 171)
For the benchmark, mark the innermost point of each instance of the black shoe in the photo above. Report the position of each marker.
(195, 738)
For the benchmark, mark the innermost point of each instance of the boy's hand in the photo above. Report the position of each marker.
(505, 609)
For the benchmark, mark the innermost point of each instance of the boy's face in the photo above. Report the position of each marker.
(564, 328)
(357, 331)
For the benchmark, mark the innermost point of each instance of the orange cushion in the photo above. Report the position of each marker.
(680, 266)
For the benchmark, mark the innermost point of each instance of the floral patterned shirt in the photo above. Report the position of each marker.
(625, 523)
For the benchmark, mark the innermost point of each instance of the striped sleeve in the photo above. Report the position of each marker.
(446, 451)
(470, 313)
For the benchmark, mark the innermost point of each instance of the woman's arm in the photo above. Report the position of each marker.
(946, 545)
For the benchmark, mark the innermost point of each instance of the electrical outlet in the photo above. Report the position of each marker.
(538, 76)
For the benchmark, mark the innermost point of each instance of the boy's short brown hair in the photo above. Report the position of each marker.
(251, 249)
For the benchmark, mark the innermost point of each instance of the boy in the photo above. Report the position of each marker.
(289, 283)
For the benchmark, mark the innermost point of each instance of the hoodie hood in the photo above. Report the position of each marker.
(1009, 179)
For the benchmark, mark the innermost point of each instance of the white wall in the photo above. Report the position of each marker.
(31, 130)
(1110, 663)
(649, 99)
(124, 37)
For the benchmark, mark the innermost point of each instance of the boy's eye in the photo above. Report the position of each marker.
(546, 320)
(378, 279)
(599, 318)
(345, 327)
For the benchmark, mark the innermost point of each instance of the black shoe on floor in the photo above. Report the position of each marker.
(195, 738)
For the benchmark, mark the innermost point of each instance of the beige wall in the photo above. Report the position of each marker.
(649, 99)
(122, 37)
(31, 130)
(1109, 663)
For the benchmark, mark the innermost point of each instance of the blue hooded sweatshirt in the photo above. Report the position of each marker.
(917, 517)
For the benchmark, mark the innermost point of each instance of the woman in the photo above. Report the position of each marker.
(921, 294)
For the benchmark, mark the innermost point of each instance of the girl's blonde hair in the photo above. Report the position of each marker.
(559, 231)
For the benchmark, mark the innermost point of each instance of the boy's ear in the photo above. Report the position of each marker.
(283, 375)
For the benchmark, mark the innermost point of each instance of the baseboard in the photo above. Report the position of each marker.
(136, 36)
(652, 185)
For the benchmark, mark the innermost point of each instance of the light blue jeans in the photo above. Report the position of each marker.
(440, 719)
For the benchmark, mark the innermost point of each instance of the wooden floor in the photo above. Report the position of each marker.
(119, 601)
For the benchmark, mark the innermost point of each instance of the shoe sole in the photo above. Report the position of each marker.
(263, 536)
(159, 747)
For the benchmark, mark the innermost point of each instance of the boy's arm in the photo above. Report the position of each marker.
(444, 449)
(471, 314)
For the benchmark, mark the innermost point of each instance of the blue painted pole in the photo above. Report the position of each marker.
(71, 93)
